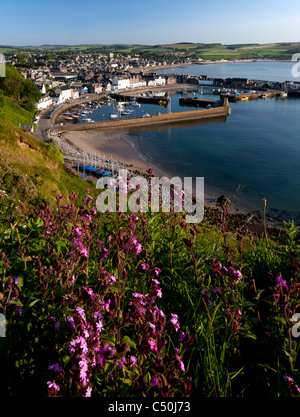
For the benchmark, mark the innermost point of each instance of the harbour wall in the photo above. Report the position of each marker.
(167, 118)
(68, 105)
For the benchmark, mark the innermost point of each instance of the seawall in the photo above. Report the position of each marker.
(69, 104)
(167, 118)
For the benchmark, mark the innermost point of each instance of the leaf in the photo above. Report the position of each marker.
(126, 381)
(233, 375)
(280, 319)
(33, 303)
(128, 341)
(35, 225)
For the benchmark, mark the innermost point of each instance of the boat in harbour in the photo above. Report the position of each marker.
(134, 103)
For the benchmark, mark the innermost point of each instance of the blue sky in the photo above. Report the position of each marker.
(36, 22)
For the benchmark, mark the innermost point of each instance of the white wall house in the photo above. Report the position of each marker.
(64, 93)
(98, 88)
(157, 81)
(120, 83)
(136, 84)
(44, 103)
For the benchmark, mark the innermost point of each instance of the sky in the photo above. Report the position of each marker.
(71, 22)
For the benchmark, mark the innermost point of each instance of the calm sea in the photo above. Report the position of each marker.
(267, 71)
(254, 155)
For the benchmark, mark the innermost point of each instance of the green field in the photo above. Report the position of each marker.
(194, 50)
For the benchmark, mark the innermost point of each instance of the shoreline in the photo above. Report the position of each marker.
(116, 150)
(238, 61)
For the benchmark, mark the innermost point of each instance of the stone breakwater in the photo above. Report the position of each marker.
(168, 118)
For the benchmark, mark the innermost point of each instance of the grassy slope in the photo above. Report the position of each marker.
(30, 171)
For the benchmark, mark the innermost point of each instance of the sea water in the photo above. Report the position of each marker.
(254, 154)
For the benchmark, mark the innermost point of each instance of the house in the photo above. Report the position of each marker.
(44, 102)
(63, 93)
(157, 81)
(171, 79)
(237, 82)
(75, 93)
(137, 81)
(85, 90)
(76, 84)
(97, 88)
(120, 83)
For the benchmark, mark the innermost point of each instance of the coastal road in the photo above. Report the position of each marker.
(43, 125)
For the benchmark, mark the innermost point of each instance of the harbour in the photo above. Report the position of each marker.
(248, 156)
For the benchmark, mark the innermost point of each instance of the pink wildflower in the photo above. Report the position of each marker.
(52, 386)
(157, 271)
(153, 345)
(152, 327)
(175, 322)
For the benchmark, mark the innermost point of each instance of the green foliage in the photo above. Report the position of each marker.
(15, 86)
(234, 296)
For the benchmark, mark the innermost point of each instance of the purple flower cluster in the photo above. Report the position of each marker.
(233, 274)
(152, 331)
(293, 387)
(89, 353)
(286, 296)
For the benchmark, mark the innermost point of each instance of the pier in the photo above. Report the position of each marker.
(220, 112)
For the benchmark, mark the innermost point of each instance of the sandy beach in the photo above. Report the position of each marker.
(112, 145)
(116, 146)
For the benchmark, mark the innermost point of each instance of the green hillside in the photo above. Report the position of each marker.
(31, 172)
(212, 51)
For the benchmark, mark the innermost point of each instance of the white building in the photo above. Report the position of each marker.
(44, 103)
(120, 83)
(157, 81)
(97, 88)
(64, 93)
(136, 82)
